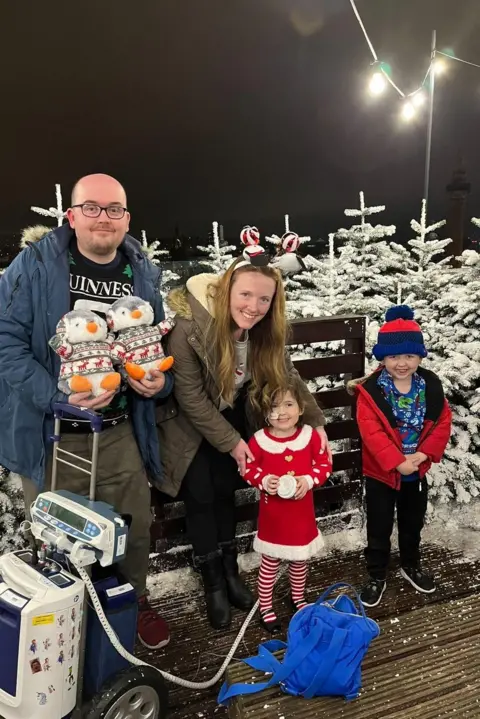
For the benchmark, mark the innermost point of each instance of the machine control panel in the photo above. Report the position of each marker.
(94, 524)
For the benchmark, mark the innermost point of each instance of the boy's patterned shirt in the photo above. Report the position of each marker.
(409, 410)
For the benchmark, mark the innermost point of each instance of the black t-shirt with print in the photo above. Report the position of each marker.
(95, 287)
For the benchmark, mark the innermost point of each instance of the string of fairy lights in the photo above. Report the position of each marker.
(381, 78)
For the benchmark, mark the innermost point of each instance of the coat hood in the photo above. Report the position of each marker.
(35, 233)
(184, 301)
(354, 383)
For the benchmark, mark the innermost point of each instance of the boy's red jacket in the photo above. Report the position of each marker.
(381, 442)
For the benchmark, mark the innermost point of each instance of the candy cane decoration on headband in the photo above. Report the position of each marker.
(253, 254)
(290, 242)
(250, 235)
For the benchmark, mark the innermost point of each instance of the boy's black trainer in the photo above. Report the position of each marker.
(418, 579)
(372, 592)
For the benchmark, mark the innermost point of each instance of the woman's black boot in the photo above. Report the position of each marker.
(238, 593)
(216, 599)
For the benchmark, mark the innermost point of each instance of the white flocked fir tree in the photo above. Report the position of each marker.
(12, 511)
(318, 291)
(169, 277)
(424, 274)
(368, 265)
(219, 257)
(451, 325)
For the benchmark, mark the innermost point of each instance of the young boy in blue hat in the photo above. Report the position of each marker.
(405, 424)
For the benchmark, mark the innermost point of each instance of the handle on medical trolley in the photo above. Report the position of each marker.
(62, 410)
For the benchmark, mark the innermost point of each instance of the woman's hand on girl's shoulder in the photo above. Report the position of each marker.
(324, 442)
(240, 453)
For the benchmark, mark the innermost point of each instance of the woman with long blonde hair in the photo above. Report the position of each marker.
(229, 350)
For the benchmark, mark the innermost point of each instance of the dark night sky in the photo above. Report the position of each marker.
(234, 110)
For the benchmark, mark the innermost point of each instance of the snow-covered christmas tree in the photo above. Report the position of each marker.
(12, 511)
(155, 254)
(447, 300)
(368, 265)
(318, 291)
(358, 277)
(219, 257)
(424, 274)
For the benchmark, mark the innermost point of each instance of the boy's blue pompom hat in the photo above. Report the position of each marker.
(400, 335)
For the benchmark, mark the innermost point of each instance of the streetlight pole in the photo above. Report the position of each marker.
(430, 118)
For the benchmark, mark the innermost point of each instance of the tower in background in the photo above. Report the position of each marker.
(458, 191)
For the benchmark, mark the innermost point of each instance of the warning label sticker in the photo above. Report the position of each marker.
(43, 619)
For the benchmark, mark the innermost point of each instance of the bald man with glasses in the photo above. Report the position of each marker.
(88, 263)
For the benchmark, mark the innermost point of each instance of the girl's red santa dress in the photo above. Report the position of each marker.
(286, 527)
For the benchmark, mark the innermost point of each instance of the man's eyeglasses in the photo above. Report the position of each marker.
(114, 212)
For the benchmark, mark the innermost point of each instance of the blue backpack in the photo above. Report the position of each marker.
(326, 644)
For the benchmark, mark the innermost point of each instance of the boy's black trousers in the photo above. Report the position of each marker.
(411, 504)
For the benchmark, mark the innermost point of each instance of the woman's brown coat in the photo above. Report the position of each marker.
(192, 410)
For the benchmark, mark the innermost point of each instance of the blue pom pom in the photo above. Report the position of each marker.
(399, 312)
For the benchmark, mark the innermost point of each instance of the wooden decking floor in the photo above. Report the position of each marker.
(426, 662)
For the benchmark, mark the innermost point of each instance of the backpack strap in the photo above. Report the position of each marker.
(281, 672)
(329, 660)
(263, 662)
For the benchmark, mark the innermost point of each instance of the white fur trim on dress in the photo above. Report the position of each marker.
(273, 447)
(291, 553)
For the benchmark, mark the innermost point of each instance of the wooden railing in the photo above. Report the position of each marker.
(168, 529)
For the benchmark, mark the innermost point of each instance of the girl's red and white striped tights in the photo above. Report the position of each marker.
(297, 573)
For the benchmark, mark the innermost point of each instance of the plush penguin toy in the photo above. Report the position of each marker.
(138, 344)
(83, 345)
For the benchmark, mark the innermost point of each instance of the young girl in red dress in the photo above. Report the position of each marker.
(289, 463)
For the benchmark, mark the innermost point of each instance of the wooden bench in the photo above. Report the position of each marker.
(168, 528)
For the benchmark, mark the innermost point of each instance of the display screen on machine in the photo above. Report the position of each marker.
(65, 515)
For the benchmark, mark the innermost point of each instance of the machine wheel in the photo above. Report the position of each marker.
(136, 693)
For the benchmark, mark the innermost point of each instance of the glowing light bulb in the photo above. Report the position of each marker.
(439, 66)
(377, 84)
(418, 99)
(408, 111)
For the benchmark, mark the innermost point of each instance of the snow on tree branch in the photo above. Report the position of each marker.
(56, 212)
(364, 211)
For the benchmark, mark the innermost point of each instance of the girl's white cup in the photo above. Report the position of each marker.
(287, 486)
